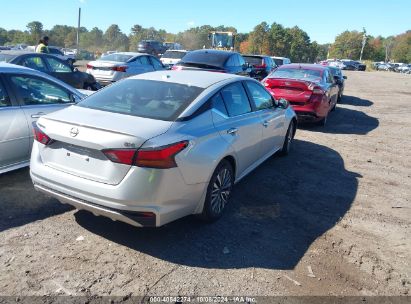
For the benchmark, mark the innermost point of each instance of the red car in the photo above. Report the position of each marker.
(310, 88)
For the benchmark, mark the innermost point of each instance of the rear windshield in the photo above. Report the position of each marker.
(116, 57)
(278, 61)
(144, 98)
(173, 55)
(6, 57)
(303, 74)
(204, 57)
(253, 60)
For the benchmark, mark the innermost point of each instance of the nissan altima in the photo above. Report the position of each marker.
(159, 146)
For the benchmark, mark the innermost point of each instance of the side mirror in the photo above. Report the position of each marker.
(345, 77)
(281, 103)
(75, 69)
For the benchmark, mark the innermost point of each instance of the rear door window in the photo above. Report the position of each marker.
(57, 66)
(218, 104)
(156, 64)
(34, 62)
(235, 99)
(4, 98)
(144, 60)
(35, 91)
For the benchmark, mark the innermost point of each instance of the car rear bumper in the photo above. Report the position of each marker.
(135, 218)
(160, 192)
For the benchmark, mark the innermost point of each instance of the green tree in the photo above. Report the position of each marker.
(401, 51)
(35, 29)
(347, 45)
(3, 36)
(299, 45)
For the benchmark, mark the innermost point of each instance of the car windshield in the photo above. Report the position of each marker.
(204, 57)
(173, 55)
(253, 60)
(303, 74)
(144, 98)
(116, 57)
(6, 57)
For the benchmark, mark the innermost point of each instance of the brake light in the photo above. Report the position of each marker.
(176, 67)
(41, 137)
(89, 66)
(119, 68)
(121, 156)
(162, 158)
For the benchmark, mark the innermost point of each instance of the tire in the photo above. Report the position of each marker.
(218, 192)
(289, 136)
(88, 87)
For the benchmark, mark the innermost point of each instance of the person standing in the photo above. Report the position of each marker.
(42, 47)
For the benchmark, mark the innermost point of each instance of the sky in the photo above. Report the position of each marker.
(322, 20)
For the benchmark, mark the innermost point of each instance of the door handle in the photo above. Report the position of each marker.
(266, 123)
(232, 131)
(37, 115)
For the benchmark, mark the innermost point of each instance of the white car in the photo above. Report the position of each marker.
(116, 66)
(171, 57)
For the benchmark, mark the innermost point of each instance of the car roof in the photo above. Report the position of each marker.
(276, 57)
(307, 66)
(252, 55)
(16, 52)
(214, 52)
(128, 53)
(200, 79)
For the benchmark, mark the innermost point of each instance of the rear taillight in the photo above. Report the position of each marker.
(41, 137)
(160, 158)
(89, 66)
(176, 67)
(119, 68)
(121, 156)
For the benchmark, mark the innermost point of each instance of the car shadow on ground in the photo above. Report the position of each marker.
(344, 121)
(275, 214)
(20, 204)
(355, 101)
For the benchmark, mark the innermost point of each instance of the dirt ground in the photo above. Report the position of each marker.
(332, 218)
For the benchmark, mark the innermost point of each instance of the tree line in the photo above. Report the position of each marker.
(273, 39)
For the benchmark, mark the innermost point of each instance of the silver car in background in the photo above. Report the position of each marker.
(159, 146)
(116, 66)
(25, 95)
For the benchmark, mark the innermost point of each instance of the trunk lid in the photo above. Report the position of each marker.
(103, 68)
(295, 91)
(80, 134)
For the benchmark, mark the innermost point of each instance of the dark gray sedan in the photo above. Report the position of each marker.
(53, 66)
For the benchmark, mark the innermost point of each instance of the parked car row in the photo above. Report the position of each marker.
(159, 144)
(393, 67)
(345, 64)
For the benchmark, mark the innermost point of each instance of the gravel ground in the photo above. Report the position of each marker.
(332, 218)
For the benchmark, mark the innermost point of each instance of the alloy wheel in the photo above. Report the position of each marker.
(221, 190)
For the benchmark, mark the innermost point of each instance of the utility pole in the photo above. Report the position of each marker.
(78, 29)
(364, 41)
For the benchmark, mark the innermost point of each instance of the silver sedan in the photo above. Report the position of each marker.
(25, 95)
(159, 146)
